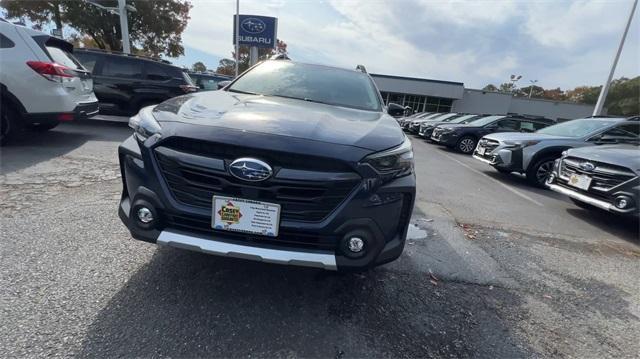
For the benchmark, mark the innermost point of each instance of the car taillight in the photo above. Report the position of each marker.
(188, 88)
(52, 71)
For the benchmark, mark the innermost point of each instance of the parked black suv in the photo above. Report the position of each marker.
(464, 137)
(208, 81)
(291, 163)
(124, 83)
(605, 177)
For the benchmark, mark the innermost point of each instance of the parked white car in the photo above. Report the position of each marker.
(41, 83)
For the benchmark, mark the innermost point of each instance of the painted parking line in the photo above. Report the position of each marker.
(508, 188)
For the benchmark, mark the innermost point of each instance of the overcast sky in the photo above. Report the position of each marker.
(559, 43)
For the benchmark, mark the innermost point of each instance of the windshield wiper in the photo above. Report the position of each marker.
(300, 98)
(244, 92)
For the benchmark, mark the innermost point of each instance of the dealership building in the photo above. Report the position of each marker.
(446, 96)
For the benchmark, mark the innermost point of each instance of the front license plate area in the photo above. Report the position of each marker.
(580, 181)
(481, 151)
(245, 216)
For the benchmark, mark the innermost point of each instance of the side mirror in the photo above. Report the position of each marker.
(223, 84)
(395, 110)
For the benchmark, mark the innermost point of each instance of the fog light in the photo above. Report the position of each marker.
(355, 244)
(145, 215)
(623, 202)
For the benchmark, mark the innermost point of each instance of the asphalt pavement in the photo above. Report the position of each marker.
(492, 268)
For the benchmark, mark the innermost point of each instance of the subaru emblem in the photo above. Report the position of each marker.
(250, 169)
(253, 25)
(587, 166)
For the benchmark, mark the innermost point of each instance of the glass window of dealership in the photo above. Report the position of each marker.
(418, 103)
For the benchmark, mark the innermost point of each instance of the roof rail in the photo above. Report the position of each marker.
(279, 57)
(361, 68)
(112, 52)
(634, 118)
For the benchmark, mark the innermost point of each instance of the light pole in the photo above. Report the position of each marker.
(514, 79)
(121, 10)
(237, 35)
(605, 89)
(533, 82)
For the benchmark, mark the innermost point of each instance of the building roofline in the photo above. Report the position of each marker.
(417, 79)
(530, 99)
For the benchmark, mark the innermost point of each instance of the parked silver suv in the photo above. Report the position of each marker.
(534, 153)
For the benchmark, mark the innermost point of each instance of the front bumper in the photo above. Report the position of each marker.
(600, 199)
(449, 139)
(385, 225)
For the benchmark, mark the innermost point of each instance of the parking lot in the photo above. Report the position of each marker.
(492, 268)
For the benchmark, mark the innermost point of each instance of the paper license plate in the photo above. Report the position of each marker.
(580, 181)
(481, 151)
(246, 216)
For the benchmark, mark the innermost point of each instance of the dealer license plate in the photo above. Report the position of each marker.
(580, 181)
(246, 216)
(481, 151)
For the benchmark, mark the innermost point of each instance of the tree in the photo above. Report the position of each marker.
(154, 29)
(536, 91)
(227, 66)
(199, 67)
(584, 94)
(623, 98)
(554, 94)
(490, 88)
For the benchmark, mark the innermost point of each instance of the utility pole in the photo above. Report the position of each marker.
(124, 26)
(605, 89)
(514, 79)
(533, 82)
(121, 10)
(237, 35)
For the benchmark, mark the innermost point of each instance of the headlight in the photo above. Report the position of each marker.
(446, 130)
(144, 124)
(519, 144)
(395, 162)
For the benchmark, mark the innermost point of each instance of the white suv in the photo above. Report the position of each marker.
(41, 83)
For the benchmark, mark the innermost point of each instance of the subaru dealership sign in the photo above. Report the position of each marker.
(259, 31)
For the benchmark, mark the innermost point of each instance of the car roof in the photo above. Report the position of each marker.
(122, 54)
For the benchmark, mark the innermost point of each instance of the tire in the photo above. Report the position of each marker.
(10, 124)
(583, 205)
(466, 145)
(43, 127)
(538, 173)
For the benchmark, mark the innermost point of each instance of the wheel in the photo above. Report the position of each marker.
(43, 127)
(10, 124)
(538, 173)
(583, 205)
(502, 170)
(466, 144)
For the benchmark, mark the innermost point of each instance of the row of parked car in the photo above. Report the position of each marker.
(44, 81)
(595, 161)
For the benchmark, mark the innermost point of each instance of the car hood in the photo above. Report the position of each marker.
(524, 136)
(283, 117)
(622, 155)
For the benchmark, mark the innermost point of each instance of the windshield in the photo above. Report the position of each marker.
(486, 120)
(464, 119)
(576, 128)
(310, 83)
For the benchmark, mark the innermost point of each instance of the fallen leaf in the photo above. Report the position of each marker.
(547, 296)
(433, 282)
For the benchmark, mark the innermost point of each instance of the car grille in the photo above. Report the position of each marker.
(285, 238)
(603, 177)
(195, 185)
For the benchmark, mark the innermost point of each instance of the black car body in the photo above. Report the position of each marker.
(341, 175)
(124, 83)
(426, 128)
(605, 177)
(464, 137)
(208, 81)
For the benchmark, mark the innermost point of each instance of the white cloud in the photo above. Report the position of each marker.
(561, 43)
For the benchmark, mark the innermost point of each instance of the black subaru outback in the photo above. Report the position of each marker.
(290, 163)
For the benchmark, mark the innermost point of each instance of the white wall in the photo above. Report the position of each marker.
(478, 101)
(475, 101)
